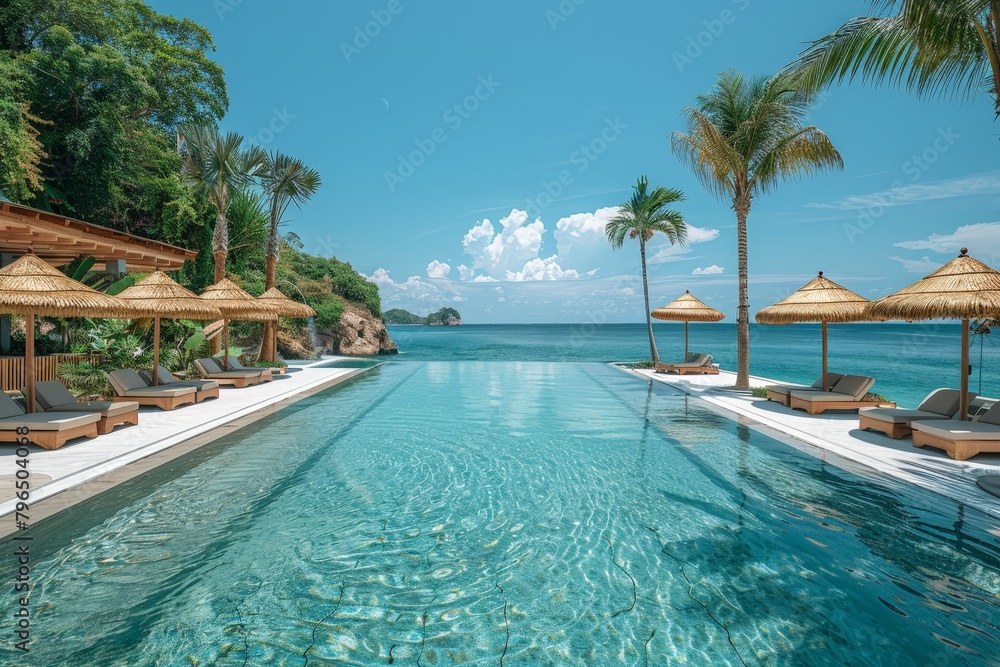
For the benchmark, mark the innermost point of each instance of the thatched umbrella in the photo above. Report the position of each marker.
(963, 289)
(686, 309)
(285, 307)
(236, 304)
(820, 300)
(156, 296)
(31, 287)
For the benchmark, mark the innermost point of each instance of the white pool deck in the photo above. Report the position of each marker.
(58, 476)
(838, 434)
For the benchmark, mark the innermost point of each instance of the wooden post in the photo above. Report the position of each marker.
(156, 351)
(685, 340)
(826, 386)
(274, 357)
(963, 404)
(225, 338)
(29, 360)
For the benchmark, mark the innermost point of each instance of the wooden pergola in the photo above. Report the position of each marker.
(59, 240)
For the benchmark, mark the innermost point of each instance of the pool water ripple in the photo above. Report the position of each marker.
(564, 513)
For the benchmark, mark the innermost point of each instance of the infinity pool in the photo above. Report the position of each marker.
(511, 514)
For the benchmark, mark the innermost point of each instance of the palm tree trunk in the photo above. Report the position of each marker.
(645, 296)
(220, 245)
(742, 207)
(270, 328)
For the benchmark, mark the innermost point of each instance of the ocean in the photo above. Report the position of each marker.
(907, 360)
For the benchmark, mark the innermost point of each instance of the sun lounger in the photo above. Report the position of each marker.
(961, 440)
(848, 394)
(266, 374)
(211, 370)
(696, 363)
(50, 431)
(204, 389)
(780, 392)
(129, 386)
(940, 404)
(52, 396)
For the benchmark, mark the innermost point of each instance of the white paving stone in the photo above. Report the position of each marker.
(84, 460)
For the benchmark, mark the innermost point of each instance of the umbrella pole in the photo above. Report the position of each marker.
(963, 405)
(225, 334)
(155, 375)
(826, 386)
(685, 340)
(29, 361)
(275, 356)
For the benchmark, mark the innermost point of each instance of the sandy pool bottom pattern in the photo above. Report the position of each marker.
(465, 513)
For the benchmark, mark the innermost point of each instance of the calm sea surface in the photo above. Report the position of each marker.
(907, 360)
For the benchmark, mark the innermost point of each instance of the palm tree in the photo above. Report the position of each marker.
(285, 180)
(744, 137)
(926, 46)
(642, 216)
(214, 165)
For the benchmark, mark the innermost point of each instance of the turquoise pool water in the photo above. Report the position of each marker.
(440, 513)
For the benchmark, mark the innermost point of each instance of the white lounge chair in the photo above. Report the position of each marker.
(960, 439)
(129, 386)
(204, 389)
(49, 431)
(940, 404)
(848, 394)
(211, 370)
(696, 363)
(780, 392)
(53, 396)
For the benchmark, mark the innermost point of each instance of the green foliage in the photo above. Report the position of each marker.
(116, 345)
(759, 392)
(444, 317)
(322, 280)
(328, 314)
(638, 365)
(398, 316)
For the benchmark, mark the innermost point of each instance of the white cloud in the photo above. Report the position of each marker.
(714, 270)
(665, 252)
(542, 269)
(438, 269)
(922, 265)
(410, 294)
(465, 273)
(485, 279)
(498, 252)
(982, 239)
(912, 193)
(579, 235)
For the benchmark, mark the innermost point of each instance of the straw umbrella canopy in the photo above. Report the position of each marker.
(686, 309)
(31, 287)
(963, 289)
(157, 296)
(286, 307)
(236, 304)
(820, 300)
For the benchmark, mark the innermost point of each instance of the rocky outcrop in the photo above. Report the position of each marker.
(359, 334)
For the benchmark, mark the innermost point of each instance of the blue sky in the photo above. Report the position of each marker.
(472, 151)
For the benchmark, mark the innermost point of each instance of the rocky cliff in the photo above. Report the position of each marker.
(358, 334)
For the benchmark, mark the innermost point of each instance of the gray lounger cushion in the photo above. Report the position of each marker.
(9, 407)
(987, 428)
(165, 377)
(899, 416)
(943, 401)
(856, 386)
(213, 370)
(127, 383)
(48, 421)
(53, 396)
(693, 360)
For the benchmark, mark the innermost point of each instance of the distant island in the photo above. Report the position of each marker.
(446, 317)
